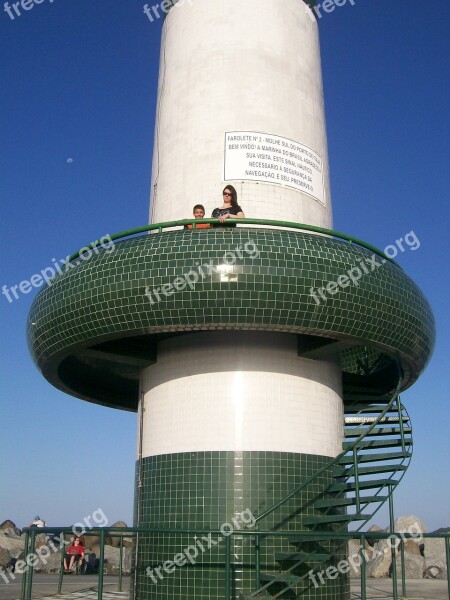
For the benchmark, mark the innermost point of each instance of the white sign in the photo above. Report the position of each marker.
(254, 156)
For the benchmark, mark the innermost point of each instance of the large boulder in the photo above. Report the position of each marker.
(414, 566)
(413, 525)
(380, 562)
(354, 557)
(12, 543)
(435, 560)
(9, 528)
(5, 557)
(374, 529)
(115, 541)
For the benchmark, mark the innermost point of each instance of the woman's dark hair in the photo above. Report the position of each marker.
(233, 191)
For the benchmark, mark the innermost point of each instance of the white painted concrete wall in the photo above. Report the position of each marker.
(234, 65)
(240, 391)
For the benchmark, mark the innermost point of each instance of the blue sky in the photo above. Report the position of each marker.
(78, 81)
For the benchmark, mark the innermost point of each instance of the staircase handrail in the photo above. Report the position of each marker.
(336, 459)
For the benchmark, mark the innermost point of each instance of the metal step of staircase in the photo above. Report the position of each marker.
(331, 502)
(281, 578)
(368, 484)
(369, 408)
(376, 431)
(372, 444)
(318, 520)
(350, 471)
(301, 557)
(374, 457)
(371, 419)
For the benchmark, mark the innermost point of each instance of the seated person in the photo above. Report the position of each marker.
(199, 213)
(75, 552)
(230, 209)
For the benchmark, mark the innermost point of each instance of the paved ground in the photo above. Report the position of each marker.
(84, 587)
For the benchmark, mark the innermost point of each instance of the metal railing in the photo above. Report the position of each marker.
(31, 557)
(160, 227)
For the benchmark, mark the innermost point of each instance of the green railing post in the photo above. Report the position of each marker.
(400, 422)
(30, 568)
(363, 568)
(24, 576)
(120, 562)
(447, 555)
(227, 569)
(355, 476)
(257, 561)
(402, 558)
(61, 565)
(101, 565)
(393, 547)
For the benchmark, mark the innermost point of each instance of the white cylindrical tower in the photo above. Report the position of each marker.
(231, 421)
(240, 100)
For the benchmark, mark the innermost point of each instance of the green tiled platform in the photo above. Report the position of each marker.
(93, 330)
(199, 490)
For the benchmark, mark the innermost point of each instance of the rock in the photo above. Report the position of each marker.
(5, 557)
(411, 547)
(354, 557)
(9, 528)
(48, 563)
(380, 562)
(115, 541)
(414, 526)
(372, 529)
(112, 560)
(414, 566)
(435, 560)
(13, 544)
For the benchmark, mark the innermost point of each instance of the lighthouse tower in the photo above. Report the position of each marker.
(265, 360)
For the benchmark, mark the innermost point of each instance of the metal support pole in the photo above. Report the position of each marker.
(402, 554)
(30, 569)
(24, 576)
(447, 555)
(61, 565)
(227, 569)
(120, 562)
(356, 478)
(393, 547)
(257, 561)
(101, 565)
(363, 569)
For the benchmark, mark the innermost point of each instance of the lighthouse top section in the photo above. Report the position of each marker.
(240, 102)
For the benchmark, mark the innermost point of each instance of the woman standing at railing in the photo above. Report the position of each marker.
(230, 208)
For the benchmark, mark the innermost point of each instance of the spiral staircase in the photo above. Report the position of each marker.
(377, 449)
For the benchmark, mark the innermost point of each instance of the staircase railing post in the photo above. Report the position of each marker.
(400, 422)
(356, 476)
